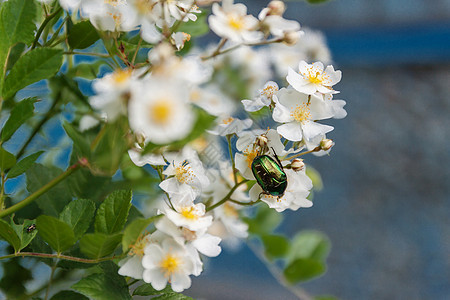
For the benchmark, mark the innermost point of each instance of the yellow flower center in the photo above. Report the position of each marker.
(170, 264)
(236, 22)
(250, 155)
(120, 76)
(160, 111)
(301, 113)
(269, 90)
(138, 247)
(183, 172)
(145, 6)
(316, 78)
(189, 213)
(228, 121)
(230, 210)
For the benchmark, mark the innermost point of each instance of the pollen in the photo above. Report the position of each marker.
(250, 155)
(120, 76)
(160, 112)
(236, 22)
(145, 6)
(170, 264)
(228, 121)
(269, 90)
(184, 173)
(301, 113)
(189, 213)
(316, 78)
(138, 247)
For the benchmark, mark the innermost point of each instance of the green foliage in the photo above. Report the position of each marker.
(17, 21)
(315, 177)
(316, 1)
(53, 201)
(23, 234)
(7, 160)
(86, 70)
(133, 231)
(276, 246)
(113, 212)
(68, 295)
(265, 220)
(56, 233)
(165, 294)
(97, 245)
(78, 214)
(196, 28)
(23, 165)
(108, 285)
(14, 278)
(309, 244)
(303, 269)
(32, 67)
(82, 35)
(8, 234)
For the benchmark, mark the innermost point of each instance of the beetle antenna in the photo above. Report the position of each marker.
(276, 157)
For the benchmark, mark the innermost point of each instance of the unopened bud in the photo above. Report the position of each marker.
(297, 164)
(326, 144)
(276, 7)
(140, 138)
(291, 38)
(261, 141)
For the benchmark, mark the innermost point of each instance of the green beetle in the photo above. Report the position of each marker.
(270, 175)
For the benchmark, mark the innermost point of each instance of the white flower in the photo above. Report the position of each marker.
(232, 22)
(313, 78)
(71, 5)
(168, 262)
(299, 111)
(212, 100)
(142, 160)
(179, 38)
(110, 15)
(187, 214)
(87, 122)
(231, 125)
(185, 169)
(112, 92)
(264, 97)
(160, 111)
(276, 24)
(336, 107)
(298, 187)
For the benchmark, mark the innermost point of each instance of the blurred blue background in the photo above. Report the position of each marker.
(385, 203)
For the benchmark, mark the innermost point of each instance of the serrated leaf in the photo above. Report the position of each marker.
(68, 295)
(23, 165)
(7, 160)
(97, 245)
(17, 21)
(82, 35)
(309, 244)
(24, 235)
(275, 245)
(303, 269)
(53, 201)
(147, 289)
(78, 214)
(21, 112)
(56, 233)
(113, 212)
(134, 230)
(38, 64)
(108, 285)
(8, 234)
(172, 296)
(78, 140)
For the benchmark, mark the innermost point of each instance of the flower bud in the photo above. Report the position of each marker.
(291, 38)
(297, 164)
(276, 7)
(326, 144)
(261, 141)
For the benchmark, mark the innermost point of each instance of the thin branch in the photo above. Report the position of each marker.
(60, 256)
(233, 163)
(43, 25)
(227, 197)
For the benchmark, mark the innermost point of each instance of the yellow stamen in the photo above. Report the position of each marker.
(269, 90)
(120, 76)
(189, 213)
(250, 155)
(170, 264)
(183, 172)
(138, 247)
(236, 22)
(160, 111)
(228, 121)
(301, 113)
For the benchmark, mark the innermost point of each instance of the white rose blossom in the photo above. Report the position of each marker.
(230, 125)
(263, 98)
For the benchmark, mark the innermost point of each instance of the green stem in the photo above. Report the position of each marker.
(233, 163)
(245, 203)
(136, 52)
(306, 152)
(42, 190)
(2, 192)
(60, 256)
(50, 279)
(43, 25)
(227, 197)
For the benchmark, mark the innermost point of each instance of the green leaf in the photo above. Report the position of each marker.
(53, 201)
(172, 296)
(275, 245)
(108, 285)
(134, 230)
(147, 289)
(265, 221)
(68, 295)
(23, 165)
(17, 21)
(196, 28)
(21, 112)
(7, 160)
(56, 233)
(82, 35)
(14, 277)
(97, 245)
(78, 140)
(86, 70)
(303, 269)
(78, 214)
(25, 237)
(8, 234)
(113, 212)
(316, 1)
(309, 244)
(15, 53)
(38, 64)
(325, 297)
